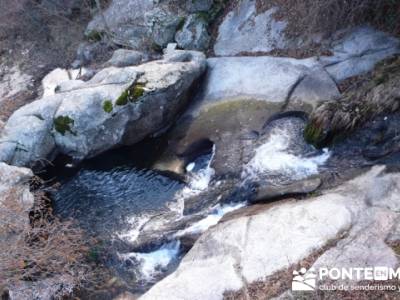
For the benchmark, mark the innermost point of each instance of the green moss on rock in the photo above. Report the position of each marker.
(131, 94)
(62, 124)
(123, 98)
(107, 106)
(138, 91)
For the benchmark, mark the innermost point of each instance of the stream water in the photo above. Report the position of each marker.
(116, 195)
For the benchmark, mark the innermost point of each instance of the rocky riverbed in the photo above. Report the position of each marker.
(207, 175)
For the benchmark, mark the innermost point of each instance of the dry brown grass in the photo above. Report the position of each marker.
(38, 246)
(327, 16)
(378, 93)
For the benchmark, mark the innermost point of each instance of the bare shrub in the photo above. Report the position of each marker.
(39, 246)
(328, 16)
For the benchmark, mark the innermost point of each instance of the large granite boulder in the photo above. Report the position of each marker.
(118, 106)
(246, 250)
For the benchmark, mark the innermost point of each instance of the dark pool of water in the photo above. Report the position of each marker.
(104, 192)
(103, 200)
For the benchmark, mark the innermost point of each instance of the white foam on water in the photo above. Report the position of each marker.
(190, 167)
(136, 224)
(198, 182)
(274, 158)
(152, 264)
(212, 219)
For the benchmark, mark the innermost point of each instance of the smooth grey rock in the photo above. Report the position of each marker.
(26, 139)
(374, 219)
(162, 229)
(267, 192)
(58, 76)
(124, 58)
(265, 78)
(30, 135)
(198, 5)
(358, 52)
(69, 85)
(247, 248)
(194, 34)
(251, 248)
(243, 30)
